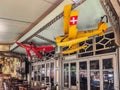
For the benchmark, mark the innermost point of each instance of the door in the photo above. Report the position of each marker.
(83, 78)
(73, 82)
(94, 73)
(98, 73)
(110, 73)
(70, 76)
(50, 74)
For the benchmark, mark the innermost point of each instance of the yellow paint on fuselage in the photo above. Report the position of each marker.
(73, 31)
(81, 36)
(88, 33)
(67, 11)
(72, 36)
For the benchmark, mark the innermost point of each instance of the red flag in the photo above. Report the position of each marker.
(73, 20)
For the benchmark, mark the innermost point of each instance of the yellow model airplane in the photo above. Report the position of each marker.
(72, 36)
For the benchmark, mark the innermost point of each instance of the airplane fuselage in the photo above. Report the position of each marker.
(81, 36)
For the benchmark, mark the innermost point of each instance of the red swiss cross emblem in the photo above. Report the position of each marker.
(73, 20)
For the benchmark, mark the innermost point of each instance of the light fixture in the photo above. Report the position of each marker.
(76, 1)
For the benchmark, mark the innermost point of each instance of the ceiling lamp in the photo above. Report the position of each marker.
(76, 1)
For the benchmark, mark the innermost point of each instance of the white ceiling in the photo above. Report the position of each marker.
(27, 10)
(16, 16)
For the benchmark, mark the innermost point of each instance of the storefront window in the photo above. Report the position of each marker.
(107, 64)
(83, 75)
(73, 74)
(43, 72)
(52, 74)
(94, 64)
(94, 75)
(108, 74)
(47, 72)
(95, 80)
(66, 75)
(38, 72)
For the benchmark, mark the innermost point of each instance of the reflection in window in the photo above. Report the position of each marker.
(32, 68)
(95, 80)
(43, 72)
(108, 74)
(47, 72)
(38, 77)
(66, 75)
(94, 64)
(107, 63)
(108, 80)
(73, 74)
(83, 75)
(35, 75)
(83, 65)
(52, 74)
(39, 73)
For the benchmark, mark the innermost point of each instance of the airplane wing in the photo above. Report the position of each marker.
(45, 48)
(74, 48)
(22, 45)
(36, 53)
(67, 11)
(28, 53)
(27, 48)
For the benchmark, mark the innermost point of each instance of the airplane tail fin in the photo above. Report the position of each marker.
(102, 26)
(73, 31)
(67, 10)
(72, 24)
(18, 43)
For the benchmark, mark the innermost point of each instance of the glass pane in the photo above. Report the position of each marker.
(43, 72)
(94, 64)
(83, 65)
(47, 72)
(35, 75)
(107, 63)
(73, 74)
(95, 80)
(83, 80)
(66, 75)
(52, 74)
(38, 77)
(108, 80)
(39, 73)
(32, 68)
(83, 75)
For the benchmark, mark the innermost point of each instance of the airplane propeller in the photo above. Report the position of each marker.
(105, 16)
